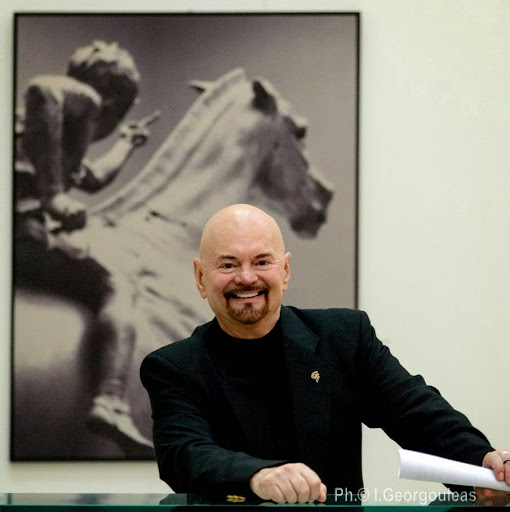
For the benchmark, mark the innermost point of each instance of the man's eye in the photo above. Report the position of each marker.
(227, 266)
(263, 263)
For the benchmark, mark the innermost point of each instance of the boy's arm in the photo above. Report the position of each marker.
(93, 176)
(59, 125)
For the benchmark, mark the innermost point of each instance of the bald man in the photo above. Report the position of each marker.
(268, 399)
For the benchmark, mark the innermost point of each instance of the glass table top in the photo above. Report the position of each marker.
(149, 502)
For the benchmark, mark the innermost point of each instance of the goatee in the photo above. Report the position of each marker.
(248, 314)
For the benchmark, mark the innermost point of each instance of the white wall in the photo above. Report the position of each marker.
(434, 213)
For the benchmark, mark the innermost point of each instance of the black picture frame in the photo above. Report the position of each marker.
(312, 59)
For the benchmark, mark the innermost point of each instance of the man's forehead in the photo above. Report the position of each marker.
(235, 230)
(238, 244)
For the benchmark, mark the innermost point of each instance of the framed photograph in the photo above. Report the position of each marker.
(131, 130)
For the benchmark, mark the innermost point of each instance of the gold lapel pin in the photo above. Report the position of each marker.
(315, 376)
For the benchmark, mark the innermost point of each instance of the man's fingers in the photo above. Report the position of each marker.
(275, 494)
(304, 481)
(505, 455)
(312, 484)
(323, 493)
(284, 478)
(499, 462)
(304, 489)
(291, 483)
(289, 492)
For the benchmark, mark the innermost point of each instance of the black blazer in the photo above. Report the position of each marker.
(205, 428)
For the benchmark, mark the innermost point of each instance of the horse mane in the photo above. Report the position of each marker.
(171, 157)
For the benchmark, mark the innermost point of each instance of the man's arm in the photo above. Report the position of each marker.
(415, 415)
(189, 458)
(412, 413)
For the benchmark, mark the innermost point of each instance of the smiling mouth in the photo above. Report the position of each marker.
(245, 295)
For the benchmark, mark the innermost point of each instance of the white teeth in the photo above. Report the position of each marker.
(246, 295)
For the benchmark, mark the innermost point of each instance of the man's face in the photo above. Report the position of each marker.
(243, 276)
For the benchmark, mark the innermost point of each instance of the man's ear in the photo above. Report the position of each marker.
(199, 277)
(286, 269)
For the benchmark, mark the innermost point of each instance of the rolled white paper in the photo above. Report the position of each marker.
(429, 468)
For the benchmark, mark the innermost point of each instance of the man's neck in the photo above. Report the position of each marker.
(250, 331)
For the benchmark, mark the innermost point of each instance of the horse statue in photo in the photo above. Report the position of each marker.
(238, 143)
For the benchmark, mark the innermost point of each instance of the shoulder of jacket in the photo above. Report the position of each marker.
(185, 349)
(348, 315)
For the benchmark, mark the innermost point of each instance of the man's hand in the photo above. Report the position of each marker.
(289, 483)
(499, 462)
(69, 212)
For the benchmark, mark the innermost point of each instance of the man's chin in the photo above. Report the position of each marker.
(248, 315)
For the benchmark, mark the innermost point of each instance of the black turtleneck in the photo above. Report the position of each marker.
(257, 367)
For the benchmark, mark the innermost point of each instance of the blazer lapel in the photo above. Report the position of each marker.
(311, 383)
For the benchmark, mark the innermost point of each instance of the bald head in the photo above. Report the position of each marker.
(240, 220)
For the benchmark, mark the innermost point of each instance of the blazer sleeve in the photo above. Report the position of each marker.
(412, 413)
(189, 459)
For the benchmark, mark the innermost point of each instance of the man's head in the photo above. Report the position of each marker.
(243, 270)
(111, 71)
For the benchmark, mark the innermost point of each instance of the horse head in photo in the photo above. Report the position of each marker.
(287, 181)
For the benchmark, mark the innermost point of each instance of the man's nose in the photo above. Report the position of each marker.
(246, 275)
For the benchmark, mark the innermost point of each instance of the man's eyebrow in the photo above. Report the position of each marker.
(265, 255)
(226, 257)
